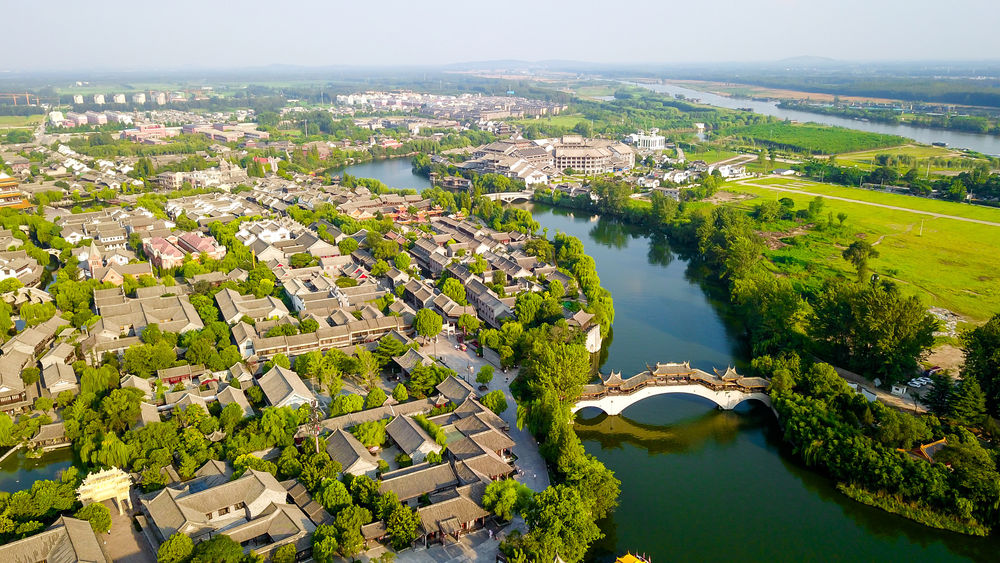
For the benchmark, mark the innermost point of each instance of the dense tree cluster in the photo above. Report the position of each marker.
(855, 441)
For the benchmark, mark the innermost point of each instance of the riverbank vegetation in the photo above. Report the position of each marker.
(926, 161)
(795, 324)
(915, 510)
(977, 183)
(969, 123)
(904, 84)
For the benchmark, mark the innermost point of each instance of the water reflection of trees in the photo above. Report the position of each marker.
(610, 233)
(683, 437)
(881, 524)
(660, 252)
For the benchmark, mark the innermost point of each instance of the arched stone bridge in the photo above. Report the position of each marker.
(614, 394)
(510, 197)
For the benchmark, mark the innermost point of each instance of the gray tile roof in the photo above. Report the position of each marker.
(351, 454)
(233, 395)
(186, 510)
(407, 434)
(281, 385)
(67, 540)
(455, 389)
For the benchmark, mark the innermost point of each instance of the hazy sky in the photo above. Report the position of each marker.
(133, 35)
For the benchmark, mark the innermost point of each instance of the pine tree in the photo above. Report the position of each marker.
(941, 392)
(968, 405)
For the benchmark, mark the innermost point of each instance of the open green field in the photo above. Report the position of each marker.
(565, 120)
(946, 160)
(814, 139)
(916, 151)
(14, 121)
(969, 211)
(595, 91)
(952, 264)
(710, 156)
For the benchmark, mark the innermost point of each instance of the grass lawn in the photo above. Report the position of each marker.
(953, 264)
(959, 161)
(566, 120)
(596, 90)
(917, 151)
(710, 156)
(899, 200)
(11, 121)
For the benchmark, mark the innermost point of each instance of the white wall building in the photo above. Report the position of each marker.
(650, 141)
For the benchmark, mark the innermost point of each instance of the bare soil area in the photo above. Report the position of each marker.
(774, 241)
(726, 197)
(948, 357)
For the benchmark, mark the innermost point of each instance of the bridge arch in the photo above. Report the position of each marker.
(510, 197)
(725, 399)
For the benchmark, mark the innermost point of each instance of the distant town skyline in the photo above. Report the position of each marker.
(132, 36)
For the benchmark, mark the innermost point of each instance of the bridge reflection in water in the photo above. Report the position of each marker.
(726, 389)
(682, 436)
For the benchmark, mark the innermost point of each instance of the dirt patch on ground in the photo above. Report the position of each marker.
(726, 197)
(774, 241)
(948, 357)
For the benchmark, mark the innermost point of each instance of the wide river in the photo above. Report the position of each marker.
(986, 144)
(699, 484)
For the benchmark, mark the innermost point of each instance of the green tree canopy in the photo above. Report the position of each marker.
(982, 360)
(427, 323)
(872, 329)
(176, 549)
(98, 515)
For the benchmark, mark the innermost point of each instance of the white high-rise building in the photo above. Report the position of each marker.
(118, 98)
(99, 99)
(77, 98)
(139, 98)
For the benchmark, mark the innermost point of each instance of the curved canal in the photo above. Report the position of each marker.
(699, 484)
(986, 144)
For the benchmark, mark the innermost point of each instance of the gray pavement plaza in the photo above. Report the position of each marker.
(533, 472)
(477, 546)
(124, 543)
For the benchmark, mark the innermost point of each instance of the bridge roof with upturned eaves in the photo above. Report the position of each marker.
(667, 374)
